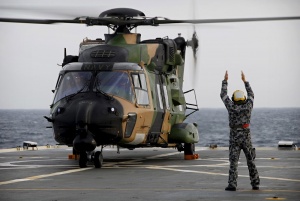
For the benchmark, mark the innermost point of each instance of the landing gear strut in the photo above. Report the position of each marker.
(83, 160)
(188, 148)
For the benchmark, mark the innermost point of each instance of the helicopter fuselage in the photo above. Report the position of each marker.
(122, 92)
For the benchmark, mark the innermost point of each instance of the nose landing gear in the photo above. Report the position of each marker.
(83, 159)
(94, 157)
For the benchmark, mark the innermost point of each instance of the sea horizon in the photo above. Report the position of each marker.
(268, 126)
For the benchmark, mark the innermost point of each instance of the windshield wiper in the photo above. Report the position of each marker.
(98, 89)
(84, 86)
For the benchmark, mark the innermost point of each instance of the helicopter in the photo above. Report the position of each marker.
(123, 91)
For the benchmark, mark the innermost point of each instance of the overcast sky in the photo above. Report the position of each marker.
(267, 52)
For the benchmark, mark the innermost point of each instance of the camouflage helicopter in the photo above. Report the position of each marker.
(123, 91)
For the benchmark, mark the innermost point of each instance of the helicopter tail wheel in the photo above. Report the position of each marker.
(83, 160)
(189, 151)
(98, 159)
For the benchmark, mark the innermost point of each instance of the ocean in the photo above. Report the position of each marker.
(268, 127)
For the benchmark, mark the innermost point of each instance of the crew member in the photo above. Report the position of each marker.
(239, 111)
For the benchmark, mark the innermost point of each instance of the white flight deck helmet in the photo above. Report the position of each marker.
(238, 97)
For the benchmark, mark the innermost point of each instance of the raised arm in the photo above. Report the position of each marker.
(223, 94)
(250, 93)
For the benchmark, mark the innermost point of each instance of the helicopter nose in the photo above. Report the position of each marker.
(84, 139)
(97, 116)
(95, 112)
(96, 121)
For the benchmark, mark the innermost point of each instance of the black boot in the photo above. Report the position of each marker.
(230, 188)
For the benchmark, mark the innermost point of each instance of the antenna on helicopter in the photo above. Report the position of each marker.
(68, 58)
(65, 52)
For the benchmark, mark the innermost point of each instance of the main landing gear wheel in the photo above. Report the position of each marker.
(83, 160)
(189, 148)
(189, 151)
(98, 159)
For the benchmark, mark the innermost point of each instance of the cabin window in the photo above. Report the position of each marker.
(166, 97)
(72, 83)
(140, 88)
(159, 96)
(143, 81)
(115, 83)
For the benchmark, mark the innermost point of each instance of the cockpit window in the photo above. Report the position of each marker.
(140, 88)
(72, 83)
(115, 83)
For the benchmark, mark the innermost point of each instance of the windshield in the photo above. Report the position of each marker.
(72, 83)
(115, 83)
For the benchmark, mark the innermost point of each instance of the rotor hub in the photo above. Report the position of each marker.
(122, 13)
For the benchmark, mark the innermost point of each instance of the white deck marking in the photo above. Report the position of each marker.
(214, 173)
(44, 176)
(137, 163)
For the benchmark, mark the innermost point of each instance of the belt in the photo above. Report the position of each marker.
(240, 126)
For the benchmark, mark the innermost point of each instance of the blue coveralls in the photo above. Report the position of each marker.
(240, 138)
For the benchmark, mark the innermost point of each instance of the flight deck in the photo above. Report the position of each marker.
(47, 173)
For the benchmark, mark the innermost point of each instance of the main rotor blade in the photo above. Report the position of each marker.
(90, 21)
(43, 21)
(61, 11)
(167, 21)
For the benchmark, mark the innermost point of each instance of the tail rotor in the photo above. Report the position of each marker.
(194, 44)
